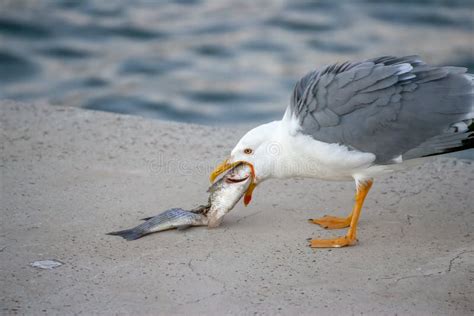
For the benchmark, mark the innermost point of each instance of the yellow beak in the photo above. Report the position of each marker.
(221, 168)
(226, 165)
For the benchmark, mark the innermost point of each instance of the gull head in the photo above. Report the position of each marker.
(259, 148)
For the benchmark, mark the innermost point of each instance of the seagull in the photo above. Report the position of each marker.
(358, 120)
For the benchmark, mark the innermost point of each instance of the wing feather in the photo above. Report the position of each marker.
(387, 106)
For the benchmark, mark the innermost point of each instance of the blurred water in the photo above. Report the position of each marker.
(208, 61)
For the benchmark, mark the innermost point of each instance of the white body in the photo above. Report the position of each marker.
(288, 153)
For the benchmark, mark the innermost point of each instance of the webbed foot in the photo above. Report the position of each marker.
(332, 222)
(333, 243)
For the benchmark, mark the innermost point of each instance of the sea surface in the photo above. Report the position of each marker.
(215, 62)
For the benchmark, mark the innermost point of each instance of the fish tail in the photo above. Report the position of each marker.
(128, 234)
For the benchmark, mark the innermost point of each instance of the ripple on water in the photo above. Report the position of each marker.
(20, 28)
(325, 5)
(264, 45)
(139, 106)
(422, 16)
(149, 66)
(14, 67)
(224, 97)
(303, 24)
(94, 8)
(187, 2)
(216, 28)
(94, 82)
(98, 32)
(135, 32)
(65, 52)
(213, 51)
(103, 11)
(333, 47)
(467, 4)
(247, 115)
(82, 83)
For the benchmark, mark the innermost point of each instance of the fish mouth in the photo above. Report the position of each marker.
(223, 167)
(233, 180)
(226, 165)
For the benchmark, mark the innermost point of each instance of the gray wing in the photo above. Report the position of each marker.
(388, 106)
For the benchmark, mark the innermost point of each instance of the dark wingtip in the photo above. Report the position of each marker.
(467, 143)
(146, 218)
(128, 234)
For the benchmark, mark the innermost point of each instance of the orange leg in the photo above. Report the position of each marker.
(350, 238)
(332, 222)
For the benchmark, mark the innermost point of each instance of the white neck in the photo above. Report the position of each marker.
(288, 152)
(301, 155)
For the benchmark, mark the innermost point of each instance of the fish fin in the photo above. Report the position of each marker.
(146, 218)
(128, 234)
(183, 227)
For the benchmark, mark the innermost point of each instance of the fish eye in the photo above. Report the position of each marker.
(248, 151)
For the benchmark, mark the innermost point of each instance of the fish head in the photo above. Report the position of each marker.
(227, 191)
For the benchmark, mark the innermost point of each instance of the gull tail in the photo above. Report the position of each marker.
(128, 234)
(459, 136)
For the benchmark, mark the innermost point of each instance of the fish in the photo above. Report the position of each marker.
(169, 219)
(223, 196)
(227, 191)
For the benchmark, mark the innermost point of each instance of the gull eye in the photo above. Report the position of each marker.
(248, 151)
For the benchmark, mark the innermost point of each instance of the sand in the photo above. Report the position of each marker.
(69, 175)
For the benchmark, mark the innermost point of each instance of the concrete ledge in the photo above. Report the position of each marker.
(69, 176)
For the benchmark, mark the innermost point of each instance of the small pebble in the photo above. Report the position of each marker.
(46, 264)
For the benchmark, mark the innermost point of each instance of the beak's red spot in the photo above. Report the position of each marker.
(248, 194)
(247, 199)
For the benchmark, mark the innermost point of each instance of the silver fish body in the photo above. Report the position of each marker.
(172, 218)
(226, 192)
